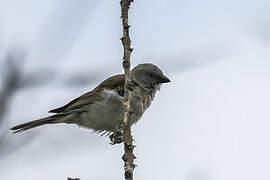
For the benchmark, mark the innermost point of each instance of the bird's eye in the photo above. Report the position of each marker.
(149, 76)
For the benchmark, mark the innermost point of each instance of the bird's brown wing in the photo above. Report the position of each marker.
(115, 82)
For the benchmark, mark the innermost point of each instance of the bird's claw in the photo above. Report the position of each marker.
(116, 138)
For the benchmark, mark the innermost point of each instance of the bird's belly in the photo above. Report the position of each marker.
(108, 113)
(104, 115)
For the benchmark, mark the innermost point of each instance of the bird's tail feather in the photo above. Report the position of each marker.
(35, 123)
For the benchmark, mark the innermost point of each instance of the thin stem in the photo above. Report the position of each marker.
(128, 156)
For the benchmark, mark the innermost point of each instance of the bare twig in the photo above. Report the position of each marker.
(10, 74)
(128, 156)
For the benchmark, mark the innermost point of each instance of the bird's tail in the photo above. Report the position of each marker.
(35, 123)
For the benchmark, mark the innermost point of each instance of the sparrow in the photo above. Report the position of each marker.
(102, 109)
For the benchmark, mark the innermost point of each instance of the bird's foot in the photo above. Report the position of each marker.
(116, 137)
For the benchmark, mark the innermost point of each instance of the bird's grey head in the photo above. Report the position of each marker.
(148, 76)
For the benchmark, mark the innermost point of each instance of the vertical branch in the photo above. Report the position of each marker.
(128, 156)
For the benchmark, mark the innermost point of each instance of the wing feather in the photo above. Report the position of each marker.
(115, 82)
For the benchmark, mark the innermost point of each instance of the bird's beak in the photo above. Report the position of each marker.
(164, 79)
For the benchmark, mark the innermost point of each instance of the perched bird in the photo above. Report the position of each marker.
(102, 108)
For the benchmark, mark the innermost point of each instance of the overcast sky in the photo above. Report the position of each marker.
(210, 123)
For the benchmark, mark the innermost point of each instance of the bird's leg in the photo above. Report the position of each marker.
(117, 136)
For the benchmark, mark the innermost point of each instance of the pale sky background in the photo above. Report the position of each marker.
(210, 123)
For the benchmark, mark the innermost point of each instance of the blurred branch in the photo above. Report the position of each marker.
(11, 75)
(36, 78)
(44, 77)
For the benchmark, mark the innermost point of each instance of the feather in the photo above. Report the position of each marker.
(115, 82)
